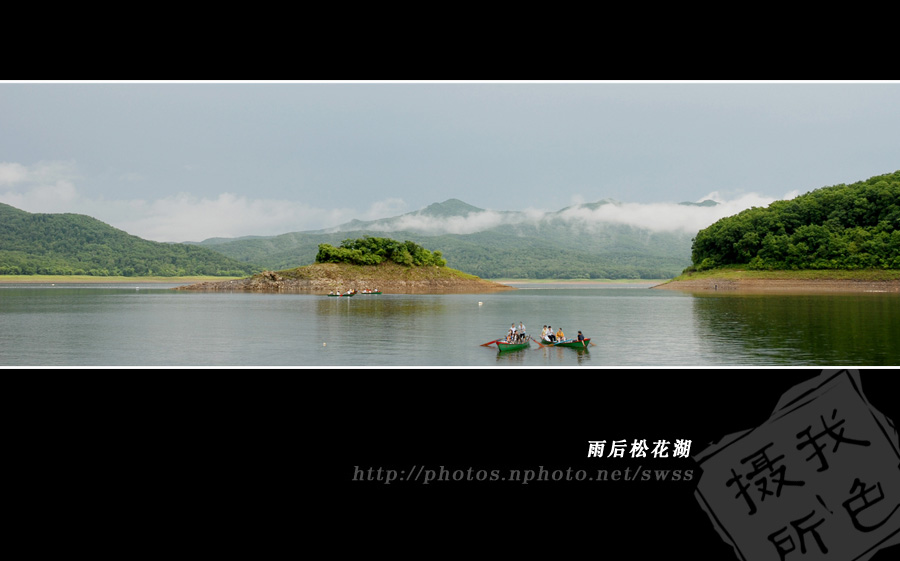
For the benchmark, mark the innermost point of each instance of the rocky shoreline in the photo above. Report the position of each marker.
(321, 279)
(780, 285)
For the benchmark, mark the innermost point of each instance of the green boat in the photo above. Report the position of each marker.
(503, 346)
(574, 343)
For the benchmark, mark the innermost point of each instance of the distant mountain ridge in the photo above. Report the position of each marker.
(455, 208)
(494, 244)
(486, 243)
(448, 209)
(859, 229)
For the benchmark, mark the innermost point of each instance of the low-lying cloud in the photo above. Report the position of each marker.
(51, 188)
(656, 217)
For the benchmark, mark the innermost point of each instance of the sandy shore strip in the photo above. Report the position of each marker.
(781, 285)
(597, 283)
(711, 284)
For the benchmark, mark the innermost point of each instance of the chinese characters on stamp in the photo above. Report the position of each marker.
(820, 480)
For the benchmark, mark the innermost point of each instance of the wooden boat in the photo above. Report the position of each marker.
(378, 292)
(504, 346)
(345, 295)
(574, 343)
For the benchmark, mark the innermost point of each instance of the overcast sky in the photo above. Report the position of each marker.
(190, 161)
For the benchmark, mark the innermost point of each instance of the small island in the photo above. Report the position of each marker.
(834, 239)
(367, 263)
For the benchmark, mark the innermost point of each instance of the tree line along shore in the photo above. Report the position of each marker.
(838, 238)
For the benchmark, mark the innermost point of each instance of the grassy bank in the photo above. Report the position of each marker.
(738, 272)
(63, 279)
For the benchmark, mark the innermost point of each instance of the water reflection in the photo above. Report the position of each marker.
(381, 305)
(630, 327)
(814, 329)
(512, 358)
(562, 355)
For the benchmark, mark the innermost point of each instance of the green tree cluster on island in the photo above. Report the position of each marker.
(853, 226)
(370, 250)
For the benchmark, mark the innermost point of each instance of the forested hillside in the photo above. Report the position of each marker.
(74, 244)
(552, 248)
(497, 254)
(853, 226)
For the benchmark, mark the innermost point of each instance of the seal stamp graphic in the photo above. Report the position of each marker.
(819, 480)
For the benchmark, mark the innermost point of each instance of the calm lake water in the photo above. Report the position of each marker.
(629, 325)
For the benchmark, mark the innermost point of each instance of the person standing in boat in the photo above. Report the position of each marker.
(522, 329)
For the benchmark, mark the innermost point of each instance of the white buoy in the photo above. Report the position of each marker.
(323, 344)
(480, 303)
